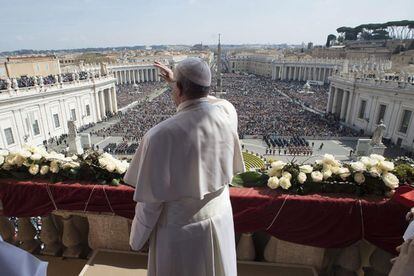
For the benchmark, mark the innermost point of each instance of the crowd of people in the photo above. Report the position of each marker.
(121, 148)
(127, 93)
(139, 119)
(263, 110)
(296, 145)
(315, 97)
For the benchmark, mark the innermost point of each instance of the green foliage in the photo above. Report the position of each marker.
(250, 179)
(329, 39)
(405, 173)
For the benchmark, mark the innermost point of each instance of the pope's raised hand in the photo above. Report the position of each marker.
(165, 72)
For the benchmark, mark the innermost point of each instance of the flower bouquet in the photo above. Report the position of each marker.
(369, 175)
(32, 161)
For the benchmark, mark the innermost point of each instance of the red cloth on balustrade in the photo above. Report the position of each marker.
(31, 198)
(327, 221)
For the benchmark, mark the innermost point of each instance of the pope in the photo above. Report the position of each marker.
(181, 172)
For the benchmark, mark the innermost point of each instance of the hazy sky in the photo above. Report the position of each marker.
(58, 24)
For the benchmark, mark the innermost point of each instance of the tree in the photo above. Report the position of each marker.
(329, 39)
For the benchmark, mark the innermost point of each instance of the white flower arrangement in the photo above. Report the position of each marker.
(37, 161)
(368, 170)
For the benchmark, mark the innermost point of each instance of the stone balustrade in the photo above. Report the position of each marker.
(13, 90)
(75, 234)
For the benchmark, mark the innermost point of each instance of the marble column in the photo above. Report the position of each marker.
(348, 112)
(140, 75)
(97, 106)
(335, 98)
(133, 77)
(294, 73)
(329, 103)
(102, 103)
(114, 100)
(145, 75)
(109, 92)
(344, 106)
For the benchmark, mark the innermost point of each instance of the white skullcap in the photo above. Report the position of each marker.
(196, 70)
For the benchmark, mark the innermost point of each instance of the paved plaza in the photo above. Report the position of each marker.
(340, 148)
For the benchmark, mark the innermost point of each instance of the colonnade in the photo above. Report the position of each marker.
(105, 101)
(302, 72)
(340, 103)
(135, 75)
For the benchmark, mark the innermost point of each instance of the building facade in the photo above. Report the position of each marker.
(303, 69)
(31, 66)
(35, 114)
(362, 103)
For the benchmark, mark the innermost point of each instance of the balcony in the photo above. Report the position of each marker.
(97, 243)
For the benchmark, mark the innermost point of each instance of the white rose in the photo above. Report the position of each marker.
(368, 162)
(121, 168)
(18, 160)
(390, 180)
(330, 159)
(326, 174)
(278, 165)
(4, 152)
(44, 169)
(36, 156)
(386, 166)
(344, 173)
(70, 165)
(34, 169)
(358, 166)
(74, 157)
(273, 182)
(316, 176)
(103, 162)
(359, 178)
(110, 167)
(335, 169)
(274, 172)
(375, 171)
(377, 157)
(306, 168)
(284, 182)
(302, 177)
(327, 167)
(287, 175)
(10, 160)
(54, 167)
(1, 160)
(25, 153)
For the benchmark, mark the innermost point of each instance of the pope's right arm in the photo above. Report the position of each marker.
(145, 219)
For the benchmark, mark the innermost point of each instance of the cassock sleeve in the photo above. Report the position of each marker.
(145, 219)
(131, 176)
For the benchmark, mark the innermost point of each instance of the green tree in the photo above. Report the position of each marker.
(329, 39)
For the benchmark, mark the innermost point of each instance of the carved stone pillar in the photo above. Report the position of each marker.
(71, 238)
(26, 235)
(50, 237)
(245, 248)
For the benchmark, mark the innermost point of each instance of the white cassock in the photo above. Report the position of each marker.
(181, 171)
